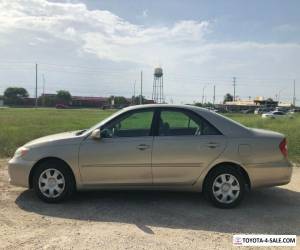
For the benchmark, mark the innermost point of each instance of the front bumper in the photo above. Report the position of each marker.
(19, 170)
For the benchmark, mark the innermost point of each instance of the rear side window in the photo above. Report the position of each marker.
(180, 123)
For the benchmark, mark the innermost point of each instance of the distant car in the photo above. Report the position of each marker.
(247, 111)
(168, 147)
(259, 111)
(212, 109)
(276, 115)
(292, 111)
(61, 106)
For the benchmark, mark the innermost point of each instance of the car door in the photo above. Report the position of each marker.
(184, 146)
(123, 153)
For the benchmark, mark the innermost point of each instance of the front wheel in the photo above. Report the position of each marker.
(52, 181)
(225, 187)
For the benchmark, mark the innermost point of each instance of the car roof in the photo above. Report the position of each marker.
(184, 106)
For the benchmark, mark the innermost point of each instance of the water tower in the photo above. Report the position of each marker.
(158, 86)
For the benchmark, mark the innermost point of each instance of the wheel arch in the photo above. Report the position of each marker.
(231, 164)
(30, 178)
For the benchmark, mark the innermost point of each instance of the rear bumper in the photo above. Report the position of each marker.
(19, 170)
(270, 174)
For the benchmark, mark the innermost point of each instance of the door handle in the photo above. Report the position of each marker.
(143, 147)
(212, 144)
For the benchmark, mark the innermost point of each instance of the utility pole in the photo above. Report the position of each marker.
(43, 90)
(36, 84)
(279, 93)
(133, 97)
(214, 97)
(294, 94)
(203, 94)
(234, 85)
(141, 96)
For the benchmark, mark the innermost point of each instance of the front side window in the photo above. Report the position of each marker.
(179, 123)
(133, 124)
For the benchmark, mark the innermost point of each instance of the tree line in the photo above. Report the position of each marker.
(18, 96)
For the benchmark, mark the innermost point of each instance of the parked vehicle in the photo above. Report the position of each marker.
(168, 147)
(277, 115)
(292, 111)
(212, 109)
(61, 106)
(247, 111)
(259, 111)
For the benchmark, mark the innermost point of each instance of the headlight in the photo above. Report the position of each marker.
(21, 152)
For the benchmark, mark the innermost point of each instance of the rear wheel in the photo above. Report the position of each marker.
(53, 181)
(225, 187)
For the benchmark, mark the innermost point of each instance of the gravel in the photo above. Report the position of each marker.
(142, 220)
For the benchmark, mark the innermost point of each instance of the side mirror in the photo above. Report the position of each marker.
(96, 134)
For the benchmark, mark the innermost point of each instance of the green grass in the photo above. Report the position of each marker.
(18, 126)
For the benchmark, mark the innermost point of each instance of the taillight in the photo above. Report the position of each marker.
(283, 147)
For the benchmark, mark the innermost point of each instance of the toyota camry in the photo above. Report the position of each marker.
(165, 147)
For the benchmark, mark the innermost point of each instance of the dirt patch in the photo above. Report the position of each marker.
(141, 220)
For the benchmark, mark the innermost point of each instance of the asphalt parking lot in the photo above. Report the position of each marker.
(142, 220)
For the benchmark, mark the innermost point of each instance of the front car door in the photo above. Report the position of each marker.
(123, 153)
(185, 145)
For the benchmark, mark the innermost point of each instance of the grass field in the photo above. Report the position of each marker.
(18, 126)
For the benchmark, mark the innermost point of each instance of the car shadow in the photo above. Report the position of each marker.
(268, 211)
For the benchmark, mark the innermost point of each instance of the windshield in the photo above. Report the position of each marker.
(98, 125)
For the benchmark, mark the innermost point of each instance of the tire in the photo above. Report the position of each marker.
(53, 182)
(225, 187)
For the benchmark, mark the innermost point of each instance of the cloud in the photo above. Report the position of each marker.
(100, 32)
(285, 28)
(39, 28)
(145, 13)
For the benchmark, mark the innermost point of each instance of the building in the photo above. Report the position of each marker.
(240, 105)
(90, 102)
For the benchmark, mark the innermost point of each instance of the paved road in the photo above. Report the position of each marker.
(142, 220)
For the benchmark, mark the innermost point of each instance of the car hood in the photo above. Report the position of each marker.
(56, 139)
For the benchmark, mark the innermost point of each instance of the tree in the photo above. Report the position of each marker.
(63, 97)
(228, 98)
(15, 95)
(205, 105)
(136, 100)
(118, 100)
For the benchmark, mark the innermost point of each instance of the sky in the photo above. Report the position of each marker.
(99, 48)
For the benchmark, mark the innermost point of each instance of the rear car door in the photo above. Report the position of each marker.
(185, 144)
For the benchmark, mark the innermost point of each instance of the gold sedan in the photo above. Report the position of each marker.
(166, 147)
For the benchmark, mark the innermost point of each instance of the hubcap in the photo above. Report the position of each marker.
(226, 188)
(51, 183)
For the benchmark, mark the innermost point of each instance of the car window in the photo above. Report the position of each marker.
(178, 123)
(134, 124)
